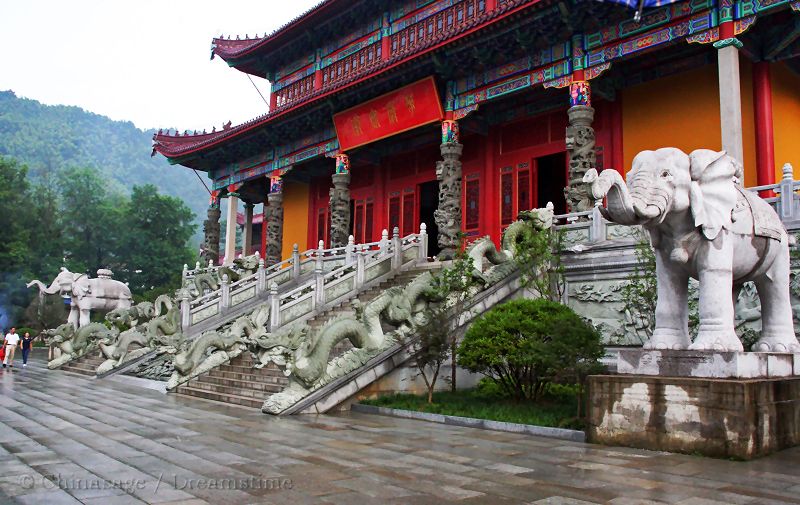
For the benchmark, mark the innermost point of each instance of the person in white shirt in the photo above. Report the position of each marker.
(11, 343)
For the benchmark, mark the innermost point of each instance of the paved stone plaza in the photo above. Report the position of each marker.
(166, 449)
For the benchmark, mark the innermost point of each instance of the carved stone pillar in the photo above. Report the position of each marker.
(340, 202)
(448, 173)
(274, 216)
(211, 234)
(580, 147)
(230, 228)
(247, 235)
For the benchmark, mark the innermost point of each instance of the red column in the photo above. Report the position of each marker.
(765, 140)
(491, 208)
(386, 47)
(380, 216)
(317, 79)
(264, 231)
(491, 5)
(273, 99)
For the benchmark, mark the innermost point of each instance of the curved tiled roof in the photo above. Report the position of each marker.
(231, 49)
(176, 145)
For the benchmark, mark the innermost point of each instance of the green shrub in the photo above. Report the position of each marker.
(524, 345)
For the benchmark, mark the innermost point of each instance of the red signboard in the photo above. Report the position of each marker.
(401, 110)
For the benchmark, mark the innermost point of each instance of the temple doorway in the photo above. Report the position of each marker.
(551, 179)
(428, 203)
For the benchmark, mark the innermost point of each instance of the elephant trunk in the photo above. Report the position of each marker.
(619, 204)
(52, 290)
(648, 202)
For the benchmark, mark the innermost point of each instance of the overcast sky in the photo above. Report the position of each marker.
(144, 61)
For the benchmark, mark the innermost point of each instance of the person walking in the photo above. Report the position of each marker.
(27, 343)
(11, 343)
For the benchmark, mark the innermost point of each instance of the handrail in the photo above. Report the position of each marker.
(349, 264)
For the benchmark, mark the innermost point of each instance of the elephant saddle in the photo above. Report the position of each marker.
(752, 215)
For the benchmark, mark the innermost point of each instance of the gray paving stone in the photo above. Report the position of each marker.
(55, 423)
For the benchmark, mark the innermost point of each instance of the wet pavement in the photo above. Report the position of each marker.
(65, 439)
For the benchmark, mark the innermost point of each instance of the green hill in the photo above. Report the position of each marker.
(50, 137)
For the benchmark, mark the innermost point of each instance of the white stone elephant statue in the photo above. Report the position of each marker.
(86, 294)
(703, 224)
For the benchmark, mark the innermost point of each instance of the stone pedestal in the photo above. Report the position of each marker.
(340, 209)
(717, 365)
(727, 418)
(448, 213)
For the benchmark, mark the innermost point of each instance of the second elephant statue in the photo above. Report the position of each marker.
(703, 224)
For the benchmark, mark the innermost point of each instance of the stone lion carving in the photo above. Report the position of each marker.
(703, 224)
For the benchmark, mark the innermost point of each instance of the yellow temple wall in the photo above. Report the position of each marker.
(682, 111)
(785, 118)
(295, 217)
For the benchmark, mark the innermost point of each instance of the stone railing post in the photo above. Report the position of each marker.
(319, 277)
(397, 246)
(350, 250)
(786, 188)
(274, 307)
(186, 310)
(361, 263)
(423, 242)
(384, 242)
(225, 287)
(319, 263)
(261, 277)
(185, 272)
(597, 230)
(295, 261)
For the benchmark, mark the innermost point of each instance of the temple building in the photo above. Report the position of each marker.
(461, 113)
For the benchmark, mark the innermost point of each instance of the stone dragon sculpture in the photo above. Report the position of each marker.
(75, 343)
(160, 332)
(500, 264)
(307, 360)
(214, 348)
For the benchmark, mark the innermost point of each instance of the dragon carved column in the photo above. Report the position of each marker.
(340, 202)
(211, 231)
(448, 173)
(580, 142)
(274, 217)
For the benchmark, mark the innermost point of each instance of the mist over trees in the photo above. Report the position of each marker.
(51, 138)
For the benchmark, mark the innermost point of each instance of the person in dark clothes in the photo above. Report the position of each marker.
(26, 343)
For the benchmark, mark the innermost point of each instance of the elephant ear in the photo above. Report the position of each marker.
(713, 190)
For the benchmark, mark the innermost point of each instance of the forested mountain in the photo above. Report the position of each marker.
(51, 138)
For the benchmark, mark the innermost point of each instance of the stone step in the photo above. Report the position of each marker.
(268, 386)
(248, 369)
(250, 390)
(253, 376)
(244, 401)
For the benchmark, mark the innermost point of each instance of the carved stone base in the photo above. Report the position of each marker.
(720, 365)
(727, 418)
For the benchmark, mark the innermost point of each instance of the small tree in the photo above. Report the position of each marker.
(640, 293)
(432, 346)
(538, 259)
(455, 285)
(524, 344)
